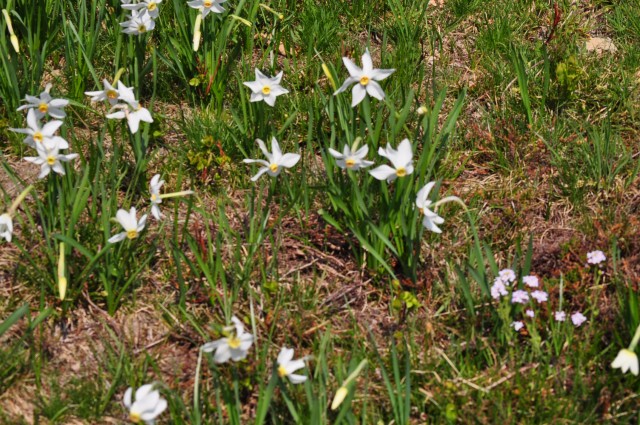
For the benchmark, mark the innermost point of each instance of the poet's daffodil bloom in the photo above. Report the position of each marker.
(129, 222)
(50, 158)
(6, 227)
(351, 160)
(42, 135)
(401, 159)
(109, 93)
(276, 161)
(234, 347)
(45, 105)
(132, 110)
(140, 23)
(154, 189)
(430, 219)
(366, 79)
(206, 6)
(286, 366)
(626, 360)
(148, 404)
(266, 88)
(151, 6)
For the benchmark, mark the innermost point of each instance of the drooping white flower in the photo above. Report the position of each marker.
(50, 158)
(596, 257)
(507, 275)
(540, 296)
(109, 93)
(276, 161)
(43, 135)
(530, 313)
(626, 360)
(286, 366)
(401, 159)
(520, 297)
(517, 325)
(578, 319)
(560, 316)
(154, 189)
(498, 289)
(148, 404)
(207, 6)
(6, 227)
(234, 347)
(430, 219)
(351, 160)
(265, 88)
(139, 23)
(129, 222)
(45, 104)
(366, 79)
(151, 6)
(530, 281)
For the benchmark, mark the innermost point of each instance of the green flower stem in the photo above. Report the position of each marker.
(14, 206)
(635, 340)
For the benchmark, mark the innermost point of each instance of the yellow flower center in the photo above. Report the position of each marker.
(154, 197)
(207, 3)
(152, 6)
(282, 372)
(51, 160)
(350, 162)
(273, 167)
(364, 80)
(266, 90)
(134, 417)
(43, 107)
(132, 234)
(37, 136)
(142, 28)
(112, 94)
(233, 342)
(401, 172)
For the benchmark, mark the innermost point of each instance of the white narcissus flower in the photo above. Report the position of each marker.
(140, 23)
(50, 159)
(401, 159)
(6, 227)
(151, 6)
(266, 88)
(129, 222)
(430, 219)
(286, 366)
(276, 161)
(147, 406)
(351, 160)
(132, 110)
(626, 360)
(234, 347)
(43, 135)
(45, 104)
(109, 93)
(207, 6)
(366, 79)
(154, 189)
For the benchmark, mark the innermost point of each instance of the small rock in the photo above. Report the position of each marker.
(600, 45)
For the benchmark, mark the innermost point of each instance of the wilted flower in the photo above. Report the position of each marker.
(530, 313)
(286, 366)
(140, 23)
(109, 93)
(507, 275)
(517, 325)
(129, 222)
(6, 227)
(401, 159)
(626, 360)
(530, 281)
(276, 161)
(50, 159)
(498, 289)
(540, 296)
(430, 219)
(151, 6)
(560, 316)
(351, 160)
(41, 135)
(578, 318)
(45, 104)
(520, 296)
(266, 88)
(234, 347)
(147, 406)
(596, 257)
(207, 6)
(366, 79)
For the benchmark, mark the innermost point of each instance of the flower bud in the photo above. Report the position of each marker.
(341, 394)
